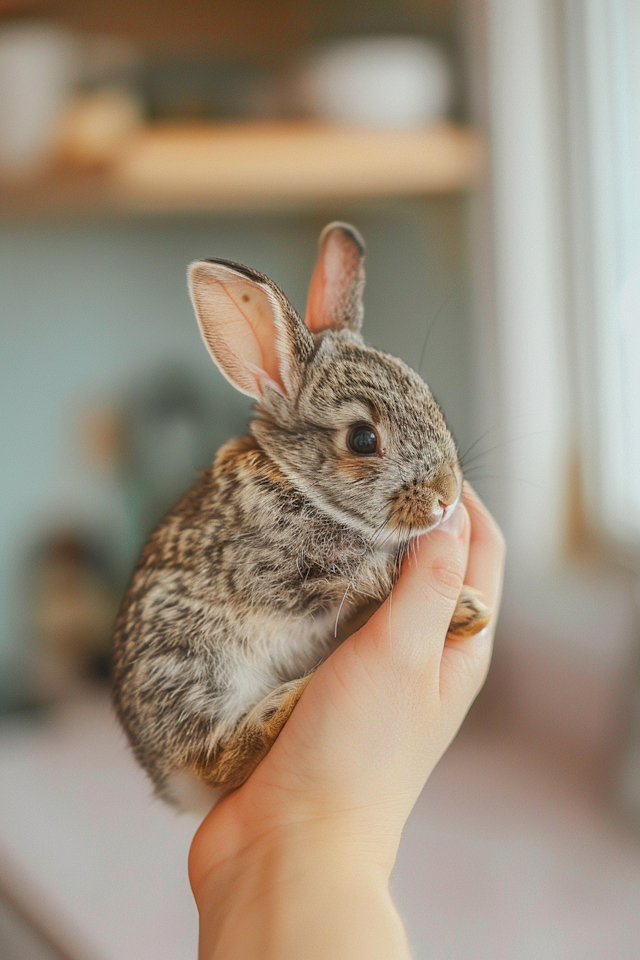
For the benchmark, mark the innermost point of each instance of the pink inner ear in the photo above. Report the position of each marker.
(250, 331)
(315, 315)
(237, 321)
(332, 282)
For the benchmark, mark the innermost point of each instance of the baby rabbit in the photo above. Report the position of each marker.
(303, 524)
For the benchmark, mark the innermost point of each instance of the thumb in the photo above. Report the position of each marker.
(410, 628)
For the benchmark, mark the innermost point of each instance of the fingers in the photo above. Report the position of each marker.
(465, 663)
(413, 622)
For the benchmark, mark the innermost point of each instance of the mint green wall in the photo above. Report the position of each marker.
(85, 308)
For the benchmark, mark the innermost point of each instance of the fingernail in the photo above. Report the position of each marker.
(454, 525)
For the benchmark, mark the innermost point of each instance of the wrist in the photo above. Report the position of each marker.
(311, 890)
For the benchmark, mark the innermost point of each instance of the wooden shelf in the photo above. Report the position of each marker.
(199, 169)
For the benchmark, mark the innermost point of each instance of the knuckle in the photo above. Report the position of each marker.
(447, 577)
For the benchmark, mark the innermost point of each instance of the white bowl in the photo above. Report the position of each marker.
(376, 81)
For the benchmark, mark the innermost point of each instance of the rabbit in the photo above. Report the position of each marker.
(295, 530)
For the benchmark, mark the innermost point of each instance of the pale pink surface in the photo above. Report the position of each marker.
(503, 858)
(103, 861)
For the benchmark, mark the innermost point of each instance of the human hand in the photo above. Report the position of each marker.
(347, 768)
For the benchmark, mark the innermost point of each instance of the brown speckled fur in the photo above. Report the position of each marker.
(236, 596)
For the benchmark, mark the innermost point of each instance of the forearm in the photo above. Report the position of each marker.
(299, 897)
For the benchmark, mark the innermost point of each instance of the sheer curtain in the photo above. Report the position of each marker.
(603, 44)
(559, 358)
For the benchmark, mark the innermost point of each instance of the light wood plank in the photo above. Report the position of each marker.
(208, 168)
(245, 163)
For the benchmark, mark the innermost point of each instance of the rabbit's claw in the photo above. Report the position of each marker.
(470, 616)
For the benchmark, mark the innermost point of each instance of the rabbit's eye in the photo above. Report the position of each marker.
(362, 439)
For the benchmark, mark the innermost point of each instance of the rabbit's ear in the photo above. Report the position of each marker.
(335, 294)
(249, 327)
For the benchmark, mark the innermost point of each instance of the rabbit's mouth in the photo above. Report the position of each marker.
(448, 510)
(399, 535)
(420, 506)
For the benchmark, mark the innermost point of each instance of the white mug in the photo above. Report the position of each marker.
(37, 67)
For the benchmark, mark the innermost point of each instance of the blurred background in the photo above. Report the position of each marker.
(489, 153)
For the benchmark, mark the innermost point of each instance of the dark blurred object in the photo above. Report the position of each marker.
(73, 595)
(146, 447)
(205, 88)
(150, 443)
(168, 437)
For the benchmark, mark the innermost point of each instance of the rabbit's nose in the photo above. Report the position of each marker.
(446, 487)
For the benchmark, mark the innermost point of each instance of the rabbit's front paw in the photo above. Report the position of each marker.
(470, 615)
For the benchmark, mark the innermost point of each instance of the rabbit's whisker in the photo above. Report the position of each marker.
(463, 456)
(431, 326)
(389, 617)
(344, 597)
(504, 476)
(498, 446)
